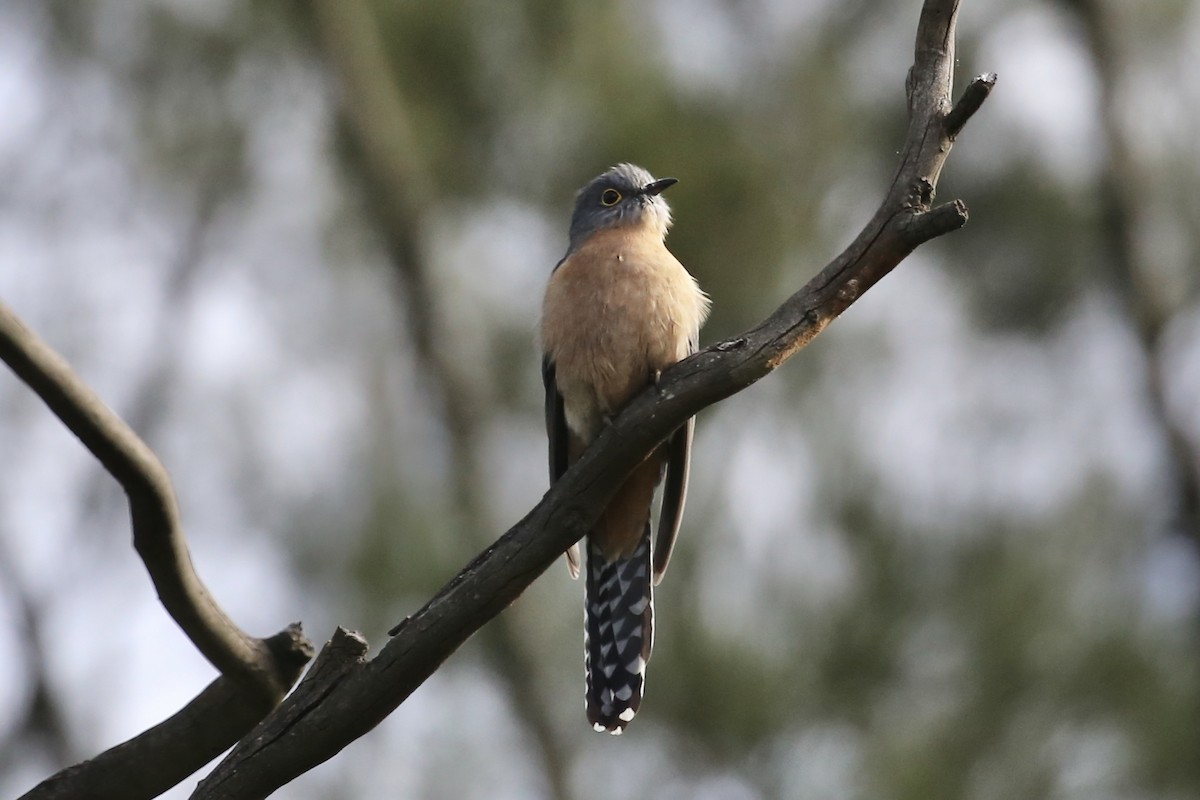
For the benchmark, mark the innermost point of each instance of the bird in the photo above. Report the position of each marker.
(619, 308)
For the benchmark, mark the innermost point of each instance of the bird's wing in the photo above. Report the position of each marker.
(556, 432)
(675, 485)
(556, 422)
(678, 452)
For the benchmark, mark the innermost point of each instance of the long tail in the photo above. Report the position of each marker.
(618, 634)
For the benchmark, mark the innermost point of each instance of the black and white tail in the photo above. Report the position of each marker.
(618, 634)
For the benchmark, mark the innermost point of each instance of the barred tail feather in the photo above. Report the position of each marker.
(618, 634)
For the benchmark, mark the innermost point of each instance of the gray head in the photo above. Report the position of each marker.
(624, 195)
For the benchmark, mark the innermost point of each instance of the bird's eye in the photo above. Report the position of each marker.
(610, 197)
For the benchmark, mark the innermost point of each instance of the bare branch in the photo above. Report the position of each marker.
(977, 91)
(256, 672)
(163, 756)
(288, 744)
(157, 529)
(344, 653)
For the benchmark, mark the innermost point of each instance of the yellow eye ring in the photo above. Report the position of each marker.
(610, 197)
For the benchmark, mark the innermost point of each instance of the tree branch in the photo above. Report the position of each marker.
(288, 744)
(258, 672)
(157, 529)
(157, 759)
(977, 91)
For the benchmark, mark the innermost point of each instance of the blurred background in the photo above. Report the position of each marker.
(948, 551)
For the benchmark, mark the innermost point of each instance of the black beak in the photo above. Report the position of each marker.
(659, 186)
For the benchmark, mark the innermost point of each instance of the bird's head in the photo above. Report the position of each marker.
(625, 195)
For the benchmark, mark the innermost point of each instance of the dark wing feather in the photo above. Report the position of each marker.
(675, 485)
(556, 432)
(556, 422)
(678, 451)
